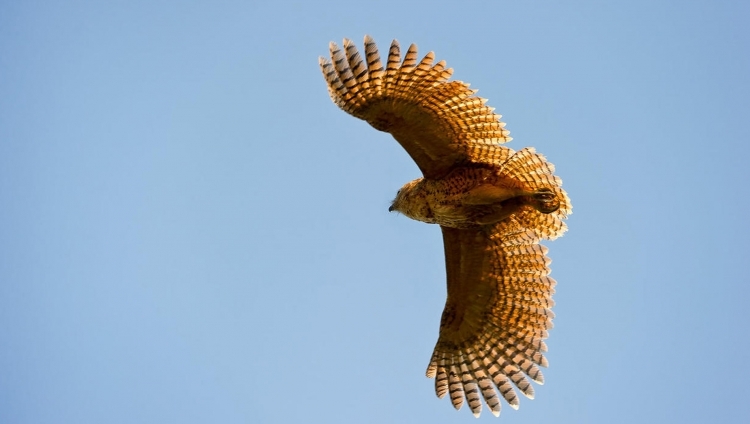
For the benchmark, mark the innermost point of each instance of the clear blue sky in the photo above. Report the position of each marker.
(190, 231)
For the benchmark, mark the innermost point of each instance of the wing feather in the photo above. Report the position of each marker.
(496, 316)
(440, 123)
(498, 309)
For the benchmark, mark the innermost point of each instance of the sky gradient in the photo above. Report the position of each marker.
(192, 232)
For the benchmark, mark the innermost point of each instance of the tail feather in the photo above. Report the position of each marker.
(534, 172)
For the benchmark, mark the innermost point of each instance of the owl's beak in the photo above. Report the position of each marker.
(391, 208)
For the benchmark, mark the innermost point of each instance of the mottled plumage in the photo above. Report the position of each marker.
(493, 206)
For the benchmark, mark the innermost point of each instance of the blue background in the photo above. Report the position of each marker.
(190, 231)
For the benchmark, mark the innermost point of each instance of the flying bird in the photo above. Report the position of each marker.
(493, 206)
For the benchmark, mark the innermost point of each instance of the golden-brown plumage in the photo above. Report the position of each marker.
(493, 206)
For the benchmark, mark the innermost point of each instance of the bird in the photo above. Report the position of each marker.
(493, 205)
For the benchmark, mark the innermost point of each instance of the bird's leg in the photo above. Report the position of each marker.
(501, 211)
(543, 200)
(487, 194)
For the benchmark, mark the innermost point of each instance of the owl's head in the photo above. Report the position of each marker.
(411, 200)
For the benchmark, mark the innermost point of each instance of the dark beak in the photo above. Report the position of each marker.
(390, 208)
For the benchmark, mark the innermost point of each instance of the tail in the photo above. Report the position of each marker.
(537, 175)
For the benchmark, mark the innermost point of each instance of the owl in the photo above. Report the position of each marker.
(493, 205)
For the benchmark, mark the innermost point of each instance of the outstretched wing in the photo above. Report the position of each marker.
(440, 123)
(496, 316)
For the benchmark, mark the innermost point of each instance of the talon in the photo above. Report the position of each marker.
(549, 207)
(544, 195)
(546, 200)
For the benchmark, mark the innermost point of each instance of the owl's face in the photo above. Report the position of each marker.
(411, 201)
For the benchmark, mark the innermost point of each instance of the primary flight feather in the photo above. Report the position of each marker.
(493, 206)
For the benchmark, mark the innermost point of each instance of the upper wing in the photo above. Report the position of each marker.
(496, 315)
(440, 123)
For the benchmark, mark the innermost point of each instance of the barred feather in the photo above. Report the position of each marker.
(533, 170)
(506, 350)
(414, 100)
(498, 310)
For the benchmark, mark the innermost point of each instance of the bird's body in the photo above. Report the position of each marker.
(493, 206)
(466, 198)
